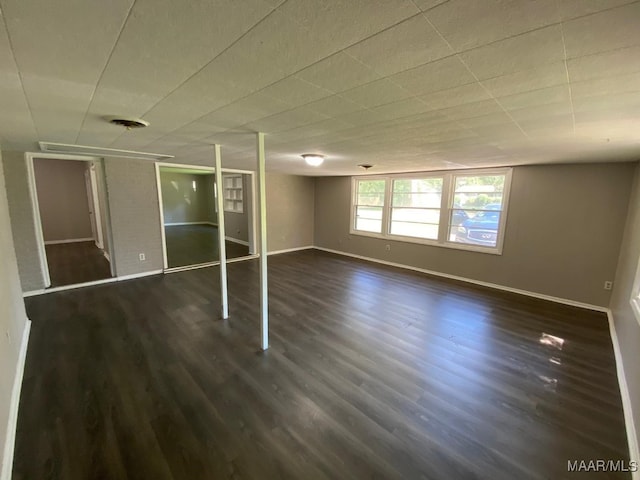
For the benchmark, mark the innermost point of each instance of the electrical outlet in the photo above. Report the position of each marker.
(142, 257)
(387, 247)
(608, 285)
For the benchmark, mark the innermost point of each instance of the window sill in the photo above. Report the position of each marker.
(431, 243)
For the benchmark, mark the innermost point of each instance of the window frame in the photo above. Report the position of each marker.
(446, 207)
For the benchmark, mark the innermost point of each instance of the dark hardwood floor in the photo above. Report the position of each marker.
(195, 244)
(373, 372)
(77, 262)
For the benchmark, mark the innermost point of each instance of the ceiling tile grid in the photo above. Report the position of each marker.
(413, 84)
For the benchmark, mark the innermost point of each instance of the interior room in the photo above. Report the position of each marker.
(295, 239)
(190, 216)
(71, 220)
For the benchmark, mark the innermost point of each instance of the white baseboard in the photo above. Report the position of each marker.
(287, 250)
(541, 296)
(10, 441)
(627, 405)
(70, 240)
(236, 240)
(91, 284)
(177, 224)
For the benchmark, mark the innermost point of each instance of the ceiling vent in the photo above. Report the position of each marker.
(128, 122)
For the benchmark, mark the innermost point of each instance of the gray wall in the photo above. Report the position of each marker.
(135, 215)
(236, 225)
(62, 198)
(626, 325)
(564, 228)
(13, 318)
(20, 210)
(132, 202)
(290, 211)
(181, 204)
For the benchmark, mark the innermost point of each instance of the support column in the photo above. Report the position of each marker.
(221, 233)
(262, 241)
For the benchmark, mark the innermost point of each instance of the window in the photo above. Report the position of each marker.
(465, 210)
(369, 205)
(415, 207)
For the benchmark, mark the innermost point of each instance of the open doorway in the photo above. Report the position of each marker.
(189, 215)
(69, 200)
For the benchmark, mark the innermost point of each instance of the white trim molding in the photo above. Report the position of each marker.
(627, 405)
(70, 240)
(178, 224)
(236, 240)
(288, 250)
(91, 284)
(10, 440)
(504, 288)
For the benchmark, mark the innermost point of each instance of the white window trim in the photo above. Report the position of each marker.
(448, 191)
(635, 294)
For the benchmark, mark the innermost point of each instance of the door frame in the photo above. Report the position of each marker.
(35, 206)
(252, 227)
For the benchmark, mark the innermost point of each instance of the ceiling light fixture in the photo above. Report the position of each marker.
(313, 159)
(366, 166)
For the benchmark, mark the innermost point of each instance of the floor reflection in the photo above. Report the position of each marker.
(195, 244)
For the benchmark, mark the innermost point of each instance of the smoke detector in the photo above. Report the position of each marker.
(128, 122)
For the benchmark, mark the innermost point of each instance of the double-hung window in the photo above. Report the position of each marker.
(460, 209)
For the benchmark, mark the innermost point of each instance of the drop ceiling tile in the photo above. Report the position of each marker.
(533, 98)
(472, 110)
(526, 80)
(467, 25)
(584, 36)
(606, 86)
(338, 73)
(406, 45)
(403, 108)
(527, 51)
(338, 24)
(606, 64)
(622, 103)
(245, 110)
(425, 5)
(334, 106)
(471, 93)
(16, 123)
(168, 48)
(286, 120)
(557, 126)
(376, 93)
(439, 75)
(541, 112)
(295, 91)
(570, 9)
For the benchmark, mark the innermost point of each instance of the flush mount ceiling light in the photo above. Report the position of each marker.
(366, 166)
(313, 159)
(128, 122)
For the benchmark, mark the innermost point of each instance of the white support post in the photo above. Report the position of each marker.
(262, 241)
(221, 234)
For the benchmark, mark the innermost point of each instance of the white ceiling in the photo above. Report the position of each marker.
(404, 85)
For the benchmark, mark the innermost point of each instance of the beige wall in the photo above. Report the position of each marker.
(290, 210)
(627, 326)
(13, 321)
(563, 233)
(181, 204)
(62, 198)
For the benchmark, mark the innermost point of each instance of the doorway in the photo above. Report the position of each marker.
(71, 217)
(187, 197)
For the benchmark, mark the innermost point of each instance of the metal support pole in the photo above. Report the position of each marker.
(262, 240)
(221, 234)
